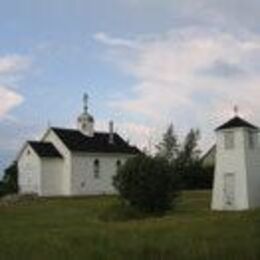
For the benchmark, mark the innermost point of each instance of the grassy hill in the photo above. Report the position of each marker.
(98, 228)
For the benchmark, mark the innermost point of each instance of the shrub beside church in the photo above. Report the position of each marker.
(147, 184)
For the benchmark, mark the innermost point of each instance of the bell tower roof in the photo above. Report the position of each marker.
(236, 122)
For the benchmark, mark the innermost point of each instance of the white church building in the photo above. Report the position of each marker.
(237, 166)
(68, 162)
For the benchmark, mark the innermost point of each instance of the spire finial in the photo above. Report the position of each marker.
(85, 103)
(48, 123)
(236, 110)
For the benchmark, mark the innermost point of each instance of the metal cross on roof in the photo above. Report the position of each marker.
(85, 102)
(236, 110)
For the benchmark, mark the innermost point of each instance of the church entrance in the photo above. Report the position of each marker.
(229, 190)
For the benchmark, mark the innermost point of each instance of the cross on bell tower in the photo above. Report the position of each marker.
(85, 120)
(85, 103)
(236, 110)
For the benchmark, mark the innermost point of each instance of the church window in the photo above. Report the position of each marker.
(229, 140)
(118, 164)
(251, 140)
(96, 168)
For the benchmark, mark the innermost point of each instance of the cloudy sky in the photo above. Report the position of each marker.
(144, 63)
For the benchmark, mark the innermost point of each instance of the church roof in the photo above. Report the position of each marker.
(99, 143)
(236, 122)
(45, 149)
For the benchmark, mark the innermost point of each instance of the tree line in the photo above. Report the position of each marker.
(185, 158)
(152, 183)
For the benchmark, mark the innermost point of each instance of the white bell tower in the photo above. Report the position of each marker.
(237, 170)
(85, 120)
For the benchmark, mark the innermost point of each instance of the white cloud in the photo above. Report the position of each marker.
(182, 76)
(136, 133)
(13, 64)
(114, 42)
(11, 67)
(222, 13)
(230, 13)
(8, 100)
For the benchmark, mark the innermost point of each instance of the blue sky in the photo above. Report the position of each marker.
(144, 63)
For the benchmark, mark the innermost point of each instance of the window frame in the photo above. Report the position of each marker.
(96, 168)
(229, 140)
(118, 164)
(252, 139)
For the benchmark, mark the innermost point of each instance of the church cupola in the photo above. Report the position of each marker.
(237, 180)
(85, 120)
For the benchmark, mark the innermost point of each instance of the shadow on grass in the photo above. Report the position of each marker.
(123, 212)
(184, 204)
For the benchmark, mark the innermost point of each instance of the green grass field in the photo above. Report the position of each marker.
(97, 228)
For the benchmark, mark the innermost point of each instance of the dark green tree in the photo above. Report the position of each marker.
(190, 151)
(168, 148)
(9, 183)
(147, 184)
(1, 188)
(188, 164)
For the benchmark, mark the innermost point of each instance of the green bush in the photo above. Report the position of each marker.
(1, 188)
(147, 184)
(9, 184)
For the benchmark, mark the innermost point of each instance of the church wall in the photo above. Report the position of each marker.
(51, 176)
(253, 173)
(29, 170)
(84, 181)
(230, 161)
(66, 169)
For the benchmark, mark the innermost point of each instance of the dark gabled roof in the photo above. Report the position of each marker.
(236, 122)
(212, 149)
(45, 149)
(99, 143)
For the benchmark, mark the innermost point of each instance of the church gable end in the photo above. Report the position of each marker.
(45, 149)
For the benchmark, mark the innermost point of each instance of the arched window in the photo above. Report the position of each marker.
(118, 164)
(84, 126)
(96, 168)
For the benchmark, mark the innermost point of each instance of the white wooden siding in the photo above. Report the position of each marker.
(29, 171)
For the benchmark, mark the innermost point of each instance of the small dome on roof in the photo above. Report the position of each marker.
(86, 117)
